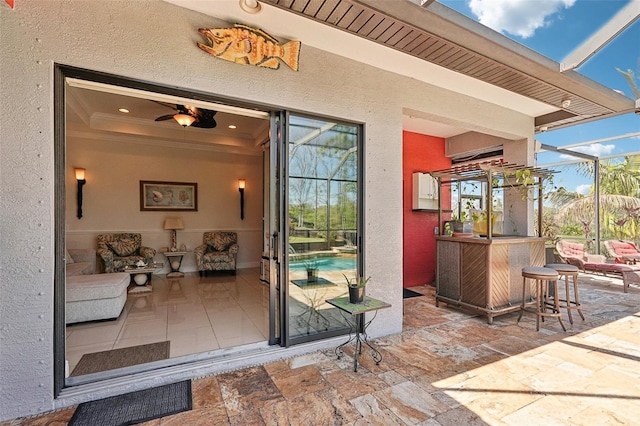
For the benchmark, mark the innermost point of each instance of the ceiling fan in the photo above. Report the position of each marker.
(187, 115)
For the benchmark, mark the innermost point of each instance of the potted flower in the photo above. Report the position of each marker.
(311, 265)
(356, 288)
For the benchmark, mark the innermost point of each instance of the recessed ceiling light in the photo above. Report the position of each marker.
(124, 110)
(232, 126)
(250, 6)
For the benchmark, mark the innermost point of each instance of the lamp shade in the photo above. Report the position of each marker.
(173, 223)
(184, 119)
(80, 173)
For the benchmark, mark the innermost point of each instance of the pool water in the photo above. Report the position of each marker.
(327, 264)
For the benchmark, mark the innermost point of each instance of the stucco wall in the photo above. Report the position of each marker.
(155, 41)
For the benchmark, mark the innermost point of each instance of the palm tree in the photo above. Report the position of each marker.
(619, 200)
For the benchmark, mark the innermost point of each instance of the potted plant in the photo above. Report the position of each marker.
(356, 288)
(311, 265)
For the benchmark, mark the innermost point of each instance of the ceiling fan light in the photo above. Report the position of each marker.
(184, 119)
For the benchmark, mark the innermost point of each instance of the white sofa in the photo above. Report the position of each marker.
(80, 262)
(91, 296)
(96, 297)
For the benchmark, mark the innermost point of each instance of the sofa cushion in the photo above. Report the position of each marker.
(124, 247)
(96, 286)
(80, 268)
(68, 258)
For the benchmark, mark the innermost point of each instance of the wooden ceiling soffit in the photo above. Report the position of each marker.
(366, 22)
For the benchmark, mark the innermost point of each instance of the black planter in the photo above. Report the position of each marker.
(312, 275)
(356, 295)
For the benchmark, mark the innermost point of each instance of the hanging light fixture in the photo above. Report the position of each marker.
(184, 120)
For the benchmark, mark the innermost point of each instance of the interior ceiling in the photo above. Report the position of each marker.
(433, 44)
(95, 114)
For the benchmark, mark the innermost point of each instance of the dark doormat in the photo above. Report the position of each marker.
(119, 358)
(406, 293)
(135, 407)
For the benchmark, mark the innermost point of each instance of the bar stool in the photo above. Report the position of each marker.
(566, 270)
(543, 278)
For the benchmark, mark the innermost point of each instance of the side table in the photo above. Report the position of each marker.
(141, 276)
(357, 325)
(175, 260)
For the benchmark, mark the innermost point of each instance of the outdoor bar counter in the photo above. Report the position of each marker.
(485, 275)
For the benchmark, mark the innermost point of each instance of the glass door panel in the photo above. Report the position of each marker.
(322, 205)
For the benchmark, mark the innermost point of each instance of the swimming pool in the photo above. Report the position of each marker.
(327, 264)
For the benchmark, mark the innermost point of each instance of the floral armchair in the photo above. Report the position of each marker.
(120, 250)
(218, 252)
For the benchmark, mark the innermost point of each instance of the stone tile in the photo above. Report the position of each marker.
(460, 416)
(245, 418)
(247, 389)
(299, 381)
(276, 367)
(410, 403)
(383, 418)
(319, 408)
(211, 414)
(352, 385)
(206, 392)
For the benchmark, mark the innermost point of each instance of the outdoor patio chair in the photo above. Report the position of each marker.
(623, 251)
(574, 254)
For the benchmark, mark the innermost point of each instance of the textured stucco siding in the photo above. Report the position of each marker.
(155, 41)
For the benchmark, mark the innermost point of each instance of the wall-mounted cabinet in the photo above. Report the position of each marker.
(424, 192)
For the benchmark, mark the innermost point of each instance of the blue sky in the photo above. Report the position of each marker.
(555, 28)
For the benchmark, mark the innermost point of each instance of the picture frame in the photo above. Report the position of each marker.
(168, 196)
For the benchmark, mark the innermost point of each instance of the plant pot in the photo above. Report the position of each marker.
(456, 226)
(356, 295)
(312, 275)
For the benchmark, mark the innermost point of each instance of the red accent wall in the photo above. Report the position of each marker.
(420, 153)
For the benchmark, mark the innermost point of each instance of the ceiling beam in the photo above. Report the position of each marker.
(620, 22)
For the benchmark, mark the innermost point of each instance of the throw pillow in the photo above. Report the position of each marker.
(68, 257)
(222, 241)
(123, 248)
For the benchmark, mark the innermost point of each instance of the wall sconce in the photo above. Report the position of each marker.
(241, 184)
(185, 120)
(173, 223)
(81, 181)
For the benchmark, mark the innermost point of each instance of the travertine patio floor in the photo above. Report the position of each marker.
(446, 368)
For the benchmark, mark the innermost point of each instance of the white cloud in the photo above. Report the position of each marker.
(596, 149)
(517, 17)
(583, 189)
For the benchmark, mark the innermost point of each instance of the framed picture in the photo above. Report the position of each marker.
(168, 196)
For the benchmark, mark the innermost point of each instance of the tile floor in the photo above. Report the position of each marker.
(196, 314)
(446, 368)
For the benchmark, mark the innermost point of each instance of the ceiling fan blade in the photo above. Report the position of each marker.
(165, 117)
(204, 119)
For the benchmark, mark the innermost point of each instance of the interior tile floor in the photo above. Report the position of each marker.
(196, 314)
(447, 367)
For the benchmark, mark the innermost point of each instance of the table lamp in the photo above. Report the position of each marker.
(172, 224)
